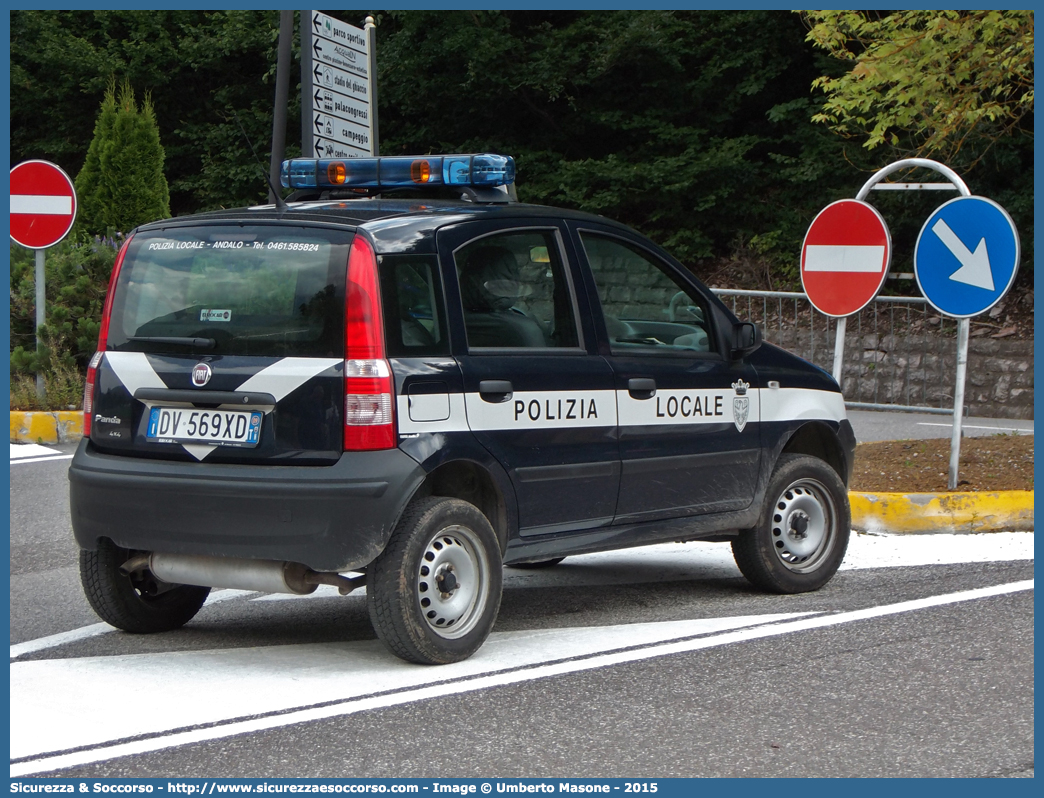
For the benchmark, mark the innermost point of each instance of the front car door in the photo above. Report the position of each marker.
(688, 414)
(536, 397)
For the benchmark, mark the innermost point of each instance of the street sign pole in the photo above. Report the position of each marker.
(371, 40)
(43, 209)
(307, 103)
(839, 349)
(958, 400)
(41, 315)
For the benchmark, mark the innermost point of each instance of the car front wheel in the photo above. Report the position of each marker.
(803, 533)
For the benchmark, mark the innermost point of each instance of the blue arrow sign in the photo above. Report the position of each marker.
(967, 256)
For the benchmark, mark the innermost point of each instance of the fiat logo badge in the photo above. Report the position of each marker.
(201, 374)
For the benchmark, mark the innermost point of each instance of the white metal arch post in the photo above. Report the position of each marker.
(963, 325)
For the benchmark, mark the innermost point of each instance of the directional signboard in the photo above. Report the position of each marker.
(966, 256)
(339, 103)
(845, 257)
(43, 204)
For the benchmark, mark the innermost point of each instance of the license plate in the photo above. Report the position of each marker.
(187, 425)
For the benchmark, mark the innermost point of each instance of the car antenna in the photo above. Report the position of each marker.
(281, 206)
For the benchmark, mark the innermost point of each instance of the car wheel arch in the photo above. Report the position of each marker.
(471, 482)
(817, 439)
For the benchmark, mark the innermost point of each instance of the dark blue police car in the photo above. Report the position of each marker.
(418, 390)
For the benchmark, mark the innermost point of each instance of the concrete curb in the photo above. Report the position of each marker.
(46, 426)
(926, 513)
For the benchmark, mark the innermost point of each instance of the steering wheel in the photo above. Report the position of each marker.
(683, 299)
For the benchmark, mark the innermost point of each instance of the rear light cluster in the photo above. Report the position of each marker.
(103, 338)
(369, 416)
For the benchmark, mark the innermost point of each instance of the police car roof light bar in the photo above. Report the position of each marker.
(475, 170)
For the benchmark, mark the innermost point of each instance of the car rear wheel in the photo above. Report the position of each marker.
(137, 602)
(434, 592)
(803, 533)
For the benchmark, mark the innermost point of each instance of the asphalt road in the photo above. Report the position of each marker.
(653, 662)
(871, 425)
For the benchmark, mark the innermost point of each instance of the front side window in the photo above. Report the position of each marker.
(644, 305)
(244, 290)
(514, 292)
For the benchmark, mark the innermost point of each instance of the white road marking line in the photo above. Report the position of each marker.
(19, 450)
(95, 629)
(222, 686)
(41, 459)
(973, 426)
(463, 683)
(60, 639)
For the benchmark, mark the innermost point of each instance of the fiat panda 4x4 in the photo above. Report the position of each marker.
(409, 393)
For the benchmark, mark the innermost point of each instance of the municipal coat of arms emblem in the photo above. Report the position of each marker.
(740, 404)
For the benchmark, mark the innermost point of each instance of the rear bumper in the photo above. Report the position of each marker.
(331, 518)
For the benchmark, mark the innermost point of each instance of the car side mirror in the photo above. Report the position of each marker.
(746, 337)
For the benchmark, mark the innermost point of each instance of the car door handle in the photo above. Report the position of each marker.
(641, 387)
(495, 391)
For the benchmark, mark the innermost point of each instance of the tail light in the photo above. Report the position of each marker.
(369, 415)
(103, 337)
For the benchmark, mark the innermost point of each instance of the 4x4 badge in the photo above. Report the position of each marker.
(740, 404)
(201, 374)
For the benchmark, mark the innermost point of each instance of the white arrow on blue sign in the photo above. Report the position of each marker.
(967, 256)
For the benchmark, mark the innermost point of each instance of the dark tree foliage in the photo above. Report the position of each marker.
(692, 126)
(197, 66)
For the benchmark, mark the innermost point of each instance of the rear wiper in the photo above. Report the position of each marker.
(197, 343)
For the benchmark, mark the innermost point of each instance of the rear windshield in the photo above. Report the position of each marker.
(243, 290)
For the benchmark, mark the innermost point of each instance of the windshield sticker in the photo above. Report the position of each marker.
(279, 246)
(215, 315)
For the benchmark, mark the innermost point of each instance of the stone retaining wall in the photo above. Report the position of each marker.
(920, 369)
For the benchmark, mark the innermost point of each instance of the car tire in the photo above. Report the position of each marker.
(438, 542)
(538, 564)
(131, 602)
(803, 533)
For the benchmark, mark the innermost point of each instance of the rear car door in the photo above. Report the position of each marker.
(539, 400)
(688, 414)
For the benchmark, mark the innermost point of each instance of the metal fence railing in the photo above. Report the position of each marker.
(900, 354)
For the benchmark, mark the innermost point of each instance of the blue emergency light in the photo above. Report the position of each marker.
(399, 171)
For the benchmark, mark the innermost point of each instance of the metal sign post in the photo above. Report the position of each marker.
(43, 209)
(965, 260)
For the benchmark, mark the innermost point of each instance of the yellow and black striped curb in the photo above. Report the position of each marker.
(925, 513)
(46, 426)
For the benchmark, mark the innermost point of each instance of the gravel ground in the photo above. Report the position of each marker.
(997, 462)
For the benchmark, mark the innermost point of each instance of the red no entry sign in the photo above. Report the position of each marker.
(43, 204)
(845, 257)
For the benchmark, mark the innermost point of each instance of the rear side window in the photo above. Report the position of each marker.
(245, 290)
(515, 292)
(411, 293)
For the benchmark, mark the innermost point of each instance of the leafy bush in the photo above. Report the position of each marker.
(76, 277)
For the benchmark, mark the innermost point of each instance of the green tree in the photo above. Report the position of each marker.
(122, 183)
(196, 66)
(932, 82)
(693, 127)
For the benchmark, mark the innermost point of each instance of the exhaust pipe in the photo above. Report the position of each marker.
(266, 576)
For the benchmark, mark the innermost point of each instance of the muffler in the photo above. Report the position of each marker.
(266, 576)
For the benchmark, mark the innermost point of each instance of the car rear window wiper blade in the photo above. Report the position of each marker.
(198, 343)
